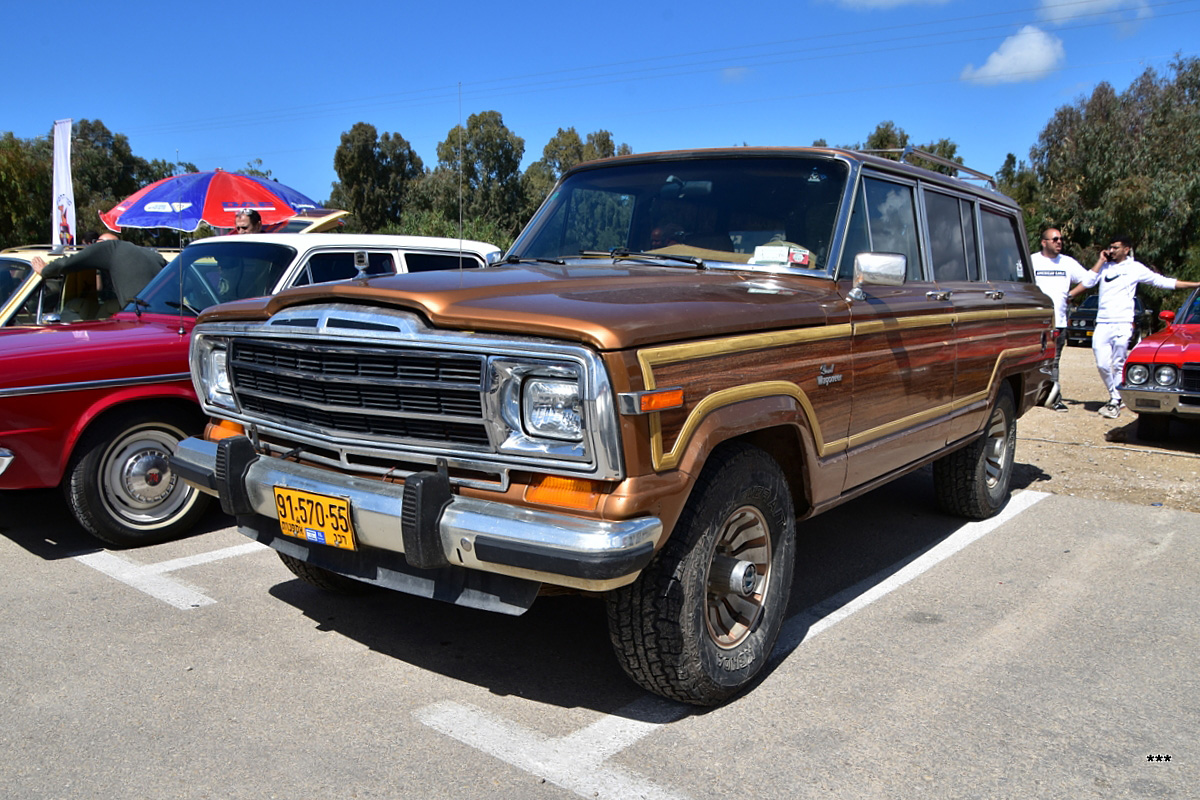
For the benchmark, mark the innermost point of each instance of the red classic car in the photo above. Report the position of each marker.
(1162, 374)
(97, 406)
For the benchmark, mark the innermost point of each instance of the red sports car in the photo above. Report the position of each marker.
(97, 406)
(1162, 374)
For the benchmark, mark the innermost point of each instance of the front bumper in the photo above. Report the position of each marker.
(482, 535)
(1161, 401)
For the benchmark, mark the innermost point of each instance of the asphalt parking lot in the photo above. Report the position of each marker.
(1048, 653)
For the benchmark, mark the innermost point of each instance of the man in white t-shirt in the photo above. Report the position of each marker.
(1118, 275)
(1055, 274)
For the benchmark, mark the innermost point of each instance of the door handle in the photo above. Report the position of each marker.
(994, 295)
(938, 295)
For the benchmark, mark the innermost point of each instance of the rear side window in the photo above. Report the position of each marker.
(951, 238)
(892, 218)
(430, 262)
(339, 266)
(1002, 249)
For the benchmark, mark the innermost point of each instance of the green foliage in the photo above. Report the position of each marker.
(375, 174)
(487, 157)
(254, 169)
(1128, 163)
(104, 171)
(564, 150)
(890, 136)
(429, 222)
(25, 181)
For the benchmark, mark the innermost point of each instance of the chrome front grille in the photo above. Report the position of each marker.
(392, 392)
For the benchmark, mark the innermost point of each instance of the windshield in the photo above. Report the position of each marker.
(745, 210)
(1189, 313)
(215, 273)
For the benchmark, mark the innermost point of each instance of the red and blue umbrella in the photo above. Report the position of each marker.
(182, 202)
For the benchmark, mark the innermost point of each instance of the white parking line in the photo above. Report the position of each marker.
(576, 761)
(152, 579)
(832, 610)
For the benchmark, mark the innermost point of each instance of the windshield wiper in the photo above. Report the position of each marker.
(521, 260)
(619, 254)
(185, 305)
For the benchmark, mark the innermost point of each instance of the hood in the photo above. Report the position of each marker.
(116, 348)
(606, 306)
(1178, 344)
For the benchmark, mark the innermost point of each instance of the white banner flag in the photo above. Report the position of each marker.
(62, 222)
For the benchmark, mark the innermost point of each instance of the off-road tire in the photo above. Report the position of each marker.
(974, 481)
(120, 487)
(1153, 427)
(322, 578)
(676, 635)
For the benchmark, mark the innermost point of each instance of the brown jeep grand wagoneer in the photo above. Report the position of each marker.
(682, 356)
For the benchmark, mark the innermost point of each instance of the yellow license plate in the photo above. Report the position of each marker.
(315, 517)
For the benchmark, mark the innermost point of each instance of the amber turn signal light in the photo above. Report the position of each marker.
(555, 490)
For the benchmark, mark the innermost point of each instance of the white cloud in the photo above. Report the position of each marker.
(1028, 55)
(1058, 12)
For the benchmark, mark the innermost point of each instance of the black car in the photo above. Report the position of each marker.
(1081, 321)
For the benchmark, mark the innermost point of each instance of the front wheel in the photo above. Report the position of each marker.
(700, 621)
(322, 578)
(120, 486)
(974, 482)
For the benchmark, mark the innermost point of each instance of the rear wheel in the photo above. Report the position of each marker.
(120, 486)
(700, 621)
(974, 482)
(1153, 427)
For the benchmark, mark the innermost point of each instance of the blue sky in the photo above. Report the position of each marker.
(281, 84)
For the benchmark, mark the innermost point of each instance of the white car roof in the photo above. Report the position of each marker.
(309, 241)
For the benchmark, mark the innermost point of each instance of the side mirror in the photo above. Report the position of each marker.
(882, 269)
(1167, 316)
(50, 318)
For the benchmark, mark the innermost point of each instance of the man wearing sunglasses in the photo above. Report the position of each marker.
(1054, 274)
(247, 221)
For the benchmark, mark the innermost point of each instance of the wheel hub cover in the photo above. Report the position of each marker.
(147, 476)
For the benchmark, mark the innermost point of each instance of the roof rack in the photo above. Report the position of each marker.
(908, 150)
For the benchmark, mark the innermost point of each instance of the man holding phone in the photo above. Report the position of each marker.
(1118, 275)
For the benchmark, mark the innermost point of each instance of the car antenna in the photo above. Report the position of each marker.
(460, 184)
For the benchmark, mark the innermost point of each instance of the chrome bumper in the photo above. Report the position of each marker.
(484, 535)
(1161, 401)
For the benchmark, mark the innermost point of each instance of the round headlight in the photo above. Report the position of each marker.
(1165, 376)
(1137, 374)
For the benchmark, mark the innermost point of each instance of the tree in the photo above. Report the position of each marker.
(25, 180)
(254, 169)
(890, 136)
(486, 155)
(1018, 181)
(375, 175)
(1128, 164)
(564, 150)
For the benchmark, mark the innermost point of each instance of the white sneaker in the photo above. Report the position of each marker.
(1111, 410)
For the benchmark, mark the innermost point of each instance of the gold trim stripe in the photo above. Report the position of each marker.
(669, 354)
